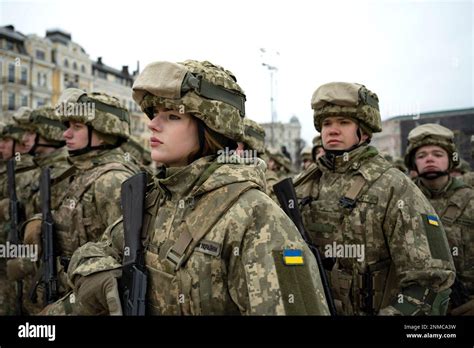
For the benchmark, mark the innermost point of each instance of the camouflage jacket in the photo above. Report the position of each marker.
(58, 163)
(379, 237)
(468, 178)
(92, 200)
(455, 205)
(234, 263)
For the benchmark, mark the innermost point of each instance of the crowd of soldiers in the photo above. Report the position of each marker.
(212, 236)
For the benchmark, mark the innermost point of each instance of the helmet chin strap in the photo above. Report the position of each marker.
(433, 175)
(37, 144)
(89, 146)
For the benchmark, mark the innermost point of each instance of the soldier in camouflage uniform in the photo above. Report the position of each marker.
(214, 240)
(431, 152)
(318, 149)
(306, 157)
(96, 127)
(49, 151)
(16, 141)
(386, 251)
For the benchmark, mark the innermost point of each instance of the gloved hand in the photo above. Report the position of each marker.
(19, 268)
(389, 311)
(465, 309)
(98, 294)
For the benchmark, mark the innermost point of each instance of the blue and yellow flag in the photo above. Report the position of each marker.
(433, 220)
(293, 257)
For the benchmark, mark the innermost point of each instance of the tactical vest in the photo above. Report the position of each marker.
(358, 288)
(170, 291)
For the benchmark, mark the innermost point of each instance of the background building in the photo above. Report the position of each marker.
(35, 70)
(393, 138)
(285, 134)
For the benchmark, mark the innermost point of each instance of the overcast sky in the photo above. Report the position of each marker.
(416, 55)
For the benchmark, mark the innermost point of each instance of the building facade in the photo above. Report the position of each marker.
(35, 70)
(393, 138)
(285, 134)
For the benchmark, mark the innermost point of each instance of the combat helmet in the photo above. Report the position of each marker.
(431, 134)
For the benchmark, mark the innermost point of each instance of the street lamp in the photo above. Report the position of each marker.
(272, 69)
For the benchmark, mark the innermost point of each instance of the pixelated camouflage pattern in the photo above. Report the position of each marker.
(52, 130)
(306, 153)
(386, 220)
(283, 161)
(89, 203)
(103, 122)
(254, 135)
(13, 131)
(317, 141)
(430, 134)
(468, 178)
(21, 117)
(221, 117)
(460, 230)
(368, 115)
(242, 278)
(26, 177)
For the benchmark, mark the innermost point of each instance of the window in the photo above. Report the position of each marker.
(66, 77)
(24, 100)
(66, 63)
(24, 76)
(40, 102)
(74, 66)
(11, 72)
(11, 101)
(76, 78)
(83, 69)
(40, 55)
(10, 45)
(102, 74)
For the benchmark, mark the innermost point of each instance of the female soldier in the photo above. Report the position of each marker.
(214, 242)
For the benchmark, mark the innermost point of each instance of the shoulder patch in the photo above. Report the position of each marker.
(436, 237)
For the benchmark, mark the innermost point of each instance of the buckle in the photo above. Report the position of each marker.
(347, 202)
(174, 258)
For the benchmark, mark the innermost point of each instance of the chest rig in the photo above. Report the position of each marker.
(337, 225)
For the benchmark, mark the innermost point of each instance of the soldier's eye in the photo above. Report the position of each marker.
(174, 117)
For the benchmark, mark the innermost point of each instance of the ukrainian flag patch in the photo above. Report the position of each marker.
(433, 220)
(293, 257)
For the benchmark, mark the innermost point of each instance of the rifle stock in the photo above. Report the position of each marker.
(134, 275)
(17, 217)
(50, 272)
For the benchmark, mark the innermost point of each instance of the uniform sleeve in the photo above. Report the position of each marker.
(417, 240)
(107, 190)
(418, 248)
(260, 282)
(103, 255)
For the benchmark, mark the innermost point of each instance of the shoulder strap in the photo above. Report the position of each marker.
(94, 174)
(194, 228)
(456, 204)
